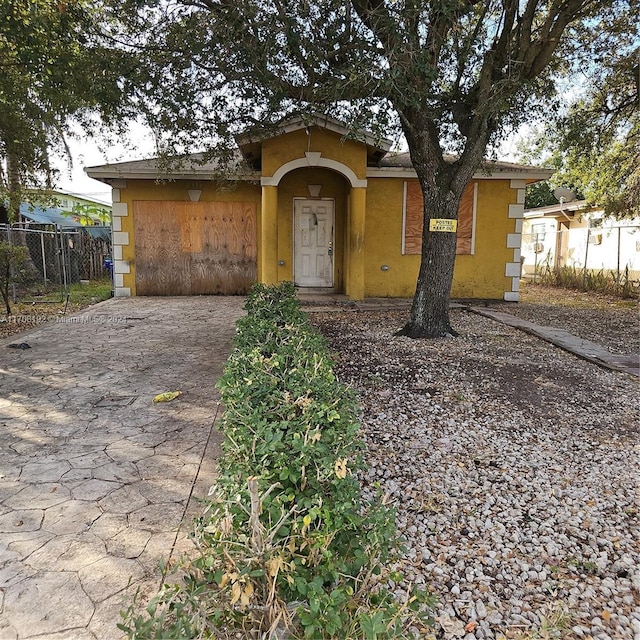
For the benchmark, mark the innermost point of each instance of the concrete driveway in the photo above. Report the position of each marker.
(97, 483)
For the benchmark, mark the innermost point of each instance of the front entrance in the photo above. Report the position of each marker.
(313, 238)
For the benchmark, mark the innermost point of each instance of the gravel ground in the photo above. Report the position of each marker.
(515, 470)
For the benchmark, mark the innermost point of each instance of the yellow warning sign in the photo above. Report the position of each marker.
(443, 225)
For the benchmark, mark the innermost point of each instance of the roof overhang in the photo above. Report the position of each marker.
(528, 174)
(47, 216)
(558, 210)
(158, 169)
(399, 165)
(244, 166)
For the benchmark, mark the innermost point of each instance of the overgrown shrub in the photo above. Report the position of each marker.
(14, 270)
(287, 548)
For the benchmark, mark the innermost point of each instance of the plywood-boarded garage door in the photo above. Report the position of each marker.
(194, 248)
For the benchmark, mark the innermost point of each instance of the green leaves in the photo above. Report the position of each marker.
(15, 269)
(373, 626)
(57, 65)
(594, 142)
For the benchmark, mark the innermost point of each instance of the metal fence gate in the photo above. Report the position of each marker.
(57, 257)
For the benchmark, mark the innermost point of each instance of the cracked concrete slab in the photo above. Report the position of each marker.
(49, 601)
(93, 499)
(69, 552)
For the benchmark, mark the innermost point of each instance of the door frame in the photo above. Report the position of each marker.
(329, 288)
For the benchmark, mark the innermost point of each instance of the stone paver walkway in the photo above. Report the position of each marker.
(585, 349)
(95, 480)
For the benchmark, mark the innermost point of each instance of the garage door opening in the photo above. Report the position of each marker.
(194, 248)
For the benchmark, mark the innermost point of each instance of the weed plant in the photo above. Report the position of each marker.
(602, 281)
(287, 547)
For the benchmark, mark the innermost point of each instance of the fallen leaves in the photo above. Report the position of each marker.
(167, 396)
(340, 468)
(451, 627)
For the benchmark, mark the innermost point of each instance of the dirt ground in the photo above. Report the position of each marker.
(612, 322)
(512, 464)
(494, 415)
(51, 306)
(24, 317)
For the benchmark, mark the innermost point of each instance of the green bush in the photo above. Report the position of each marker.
(15, 269)
(287, 546)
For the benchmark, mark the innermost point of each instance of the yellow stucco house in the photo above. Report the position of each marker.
(311, 206)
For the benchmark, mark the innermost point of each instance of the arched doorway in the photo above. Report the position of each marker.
(312, 213)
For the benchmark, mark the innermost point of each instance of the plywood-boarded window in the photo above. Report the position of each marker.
(413, 217)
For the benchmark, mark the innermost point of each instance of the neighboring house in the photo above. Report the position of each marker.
(47, 216)
(81, 208)
(312, 206)
(61, 208)
(65, 244)
(575, 235)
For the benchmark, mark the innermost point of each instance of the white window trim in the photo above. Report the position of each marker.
(403, 235)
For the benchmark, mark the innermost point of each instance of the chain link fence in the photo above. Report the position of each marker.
(57, 257)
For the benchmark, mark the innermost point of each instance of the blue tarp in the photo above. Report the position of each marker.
(51, 215)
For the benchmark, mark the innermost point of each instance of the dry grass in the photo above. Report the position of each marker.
(555, 624)
(27, 315)
(539, 294)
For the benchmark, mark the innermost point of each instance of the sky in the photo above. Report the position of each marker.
(87, 152)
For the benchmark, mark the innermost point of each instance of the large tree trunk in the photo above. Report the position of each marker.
(430, 309)
(5, 281)
(443, 182)
(16, 192)
(14, 185)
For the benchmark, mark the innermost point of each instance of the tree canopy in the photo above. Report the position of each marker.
(451, 77)
(595, 142)
(58, 69)
(599, 137)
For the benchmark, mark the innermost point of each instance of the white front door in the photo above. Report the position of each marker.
(313, 243)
